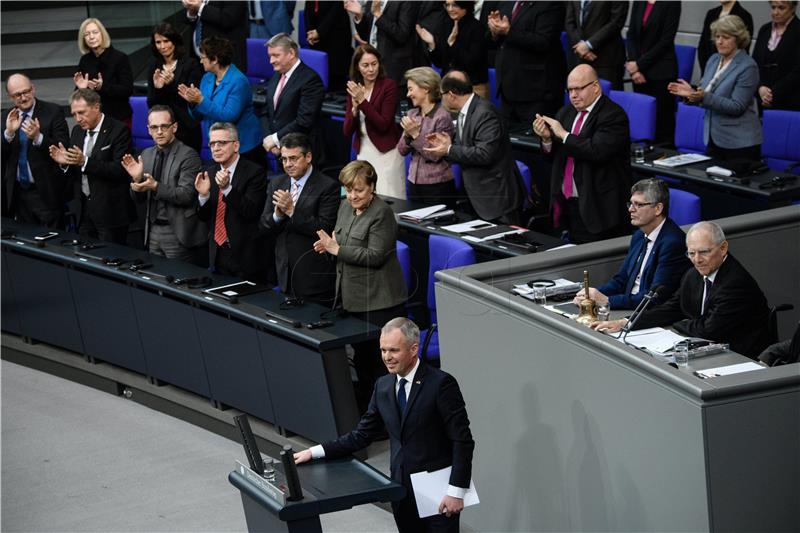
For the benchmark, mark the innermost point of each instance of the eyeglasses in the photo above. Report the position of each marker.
(702, 253)
(220, 144)
(159, 127)
(571, 90)
(638, 205)
(20, 94)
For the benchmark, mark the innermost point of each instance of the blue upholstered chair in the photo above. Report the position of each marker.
(641, 110)
(493, 87)
(686, 55)
(141, 137)
(404, 257)
(527, 181)
(258, 68)
(781, 146)
(318, 61)
(302, 42)
(684, 207)
(689, 129)
(205, 151)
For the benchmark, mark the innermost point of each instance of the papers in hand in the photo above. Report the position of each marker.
(431, 487)
(426, 213)
(680, 160)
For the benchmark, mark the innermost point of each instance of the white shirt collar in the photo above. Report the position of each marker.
(232, 168)
(301, 181)
(713, 275)
(653, 235)
(410, 376)
(291, 70)
(465, 107)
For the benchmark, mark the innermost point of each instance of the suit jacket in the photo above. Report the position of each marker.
(653, 46)
(780, 69)
(736, 310)
(433, 432)
(243, 209)
(530, 60)
(301, 271)
(187, 71)
(368, 274)
(333, 26)
(731, 116)
(109, 183)
(665, 266)
(49, 179)
(705, 46)
(176, 190)
(491, 178)
(226, 19)
(117, 88)
(379, 112)
(277, 16)
(396, 36)
(469, 52)
(602, 170)
(298, 107)
(602, 27)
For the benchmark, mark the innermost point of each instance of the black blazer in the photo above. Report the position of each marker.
(50, 180)
(780, 69)
(530, 61)
(469, 53)
(109, 183)
(228, 19)
(333, 26)
(188, 71)
(396, 36)
(298, 108)
(705, 46)
(117, 88)
(432, 434)
(243, 209)
(602, 169)
(653, 46)
(736, 310)
(602, 26)
(301, 271)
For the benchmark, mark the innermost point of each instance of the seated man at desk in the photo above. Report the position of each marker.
(657, 253)
(718, 299)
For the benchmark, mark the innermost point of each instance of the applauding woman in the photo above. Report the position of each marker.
(371, 104)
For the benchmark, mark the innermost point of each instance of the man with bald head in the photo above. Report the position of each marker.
(35, 190)
(590, 142)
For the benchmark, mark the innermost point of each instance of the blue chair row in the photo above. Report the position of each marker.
(259, 69)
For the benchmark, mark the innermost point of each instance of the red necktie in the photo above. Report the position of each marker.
(569, 167)
(647, 10)
(220, 233)
(515, 11)
(278, 92)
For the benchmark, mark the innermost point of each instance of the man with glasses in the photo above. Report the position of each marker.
(590, 143)
(300, 203)
(717, 300)
(163, 178)
(656, 256)
(231, 194)
(35, 190)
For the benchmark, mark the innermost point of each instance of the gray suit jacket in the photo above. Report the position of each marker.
(731, 117)
(176, 189)
(491, 178)
(368, 274)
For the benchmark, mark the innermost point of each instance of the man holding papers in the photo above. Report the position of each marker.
(718, 299)
(422, 410)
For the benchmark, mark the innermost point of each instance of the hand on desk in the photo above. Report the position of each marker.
(302, 456)
(609, 326)
(594, 294)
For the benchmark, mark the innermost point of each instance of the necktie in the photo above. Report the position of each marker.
(278, 91)
(637, 268)
(706, 292)
(23, 172)
(584, 9)
(460, 125)
(87, 154)
(295, 191)
(515, 11)
(158, 169)
(401, 395)
(569, 167)
(220, 233)
(373, 32)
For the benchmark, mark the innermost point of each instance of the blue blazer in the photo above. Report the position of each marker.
(665, 266)
(230, 101)
(731, 117)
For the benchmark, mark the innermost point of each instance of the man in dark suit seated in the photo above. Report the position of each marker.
(95, 160)
(657, 254)
(34, 187)
(718, 299)
(590, 143)
(299, 203)
(422, 410)
(482, 147)
(231, 204)
(163, 177)
(294, 96)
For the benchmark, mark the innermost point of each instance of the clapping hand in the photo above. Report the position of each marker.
(426, 36)
(326, 243)
(66, 156)
(134, 167)
(202, 184)
(438, 144)
(357, 93)
(451, 39)
(31, 128)
(148, 184)
(554, 126)
(282, 200)
(191, 94)
(498, 25)
(13, 121)
(162, 78)
(223, 178)
(411, 126)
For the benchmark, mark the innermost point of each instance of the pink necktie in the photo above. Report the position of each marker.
(570, 164)
(278, 92)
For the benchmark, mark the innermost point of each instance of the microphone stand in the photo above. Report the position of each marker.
(637, 313)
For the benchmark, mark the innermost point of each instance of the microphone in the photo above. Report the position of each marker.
(644, 304)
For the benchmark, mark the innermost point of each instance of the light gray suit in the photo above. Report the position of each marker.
(731, 117)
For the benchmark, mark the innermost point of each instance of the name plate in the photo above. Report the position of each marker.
(274, 489)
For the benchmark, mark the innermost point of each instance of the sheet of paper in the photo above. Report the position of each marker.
(423, 212)
(464, 227)
(431, 487)
(654, 339)
(730, 369)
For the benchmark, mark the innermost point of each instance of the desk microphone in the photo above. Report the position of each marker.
(644, 304)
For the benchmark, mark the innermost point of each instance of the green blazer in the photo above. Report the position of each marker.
(368, 274)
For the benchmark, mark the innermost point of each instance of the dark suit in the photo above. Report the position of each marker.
(491, 178)
(736, 310)
(333, 27)
(51, 184)
(665, 266)
(226, 19)
(469, 52)
(188, 71)
(531, 69)
(602, 170)
(432, 433)
(243, 208)
(117, 88)
(301, 271)
(602, 26)
(396, 36)
(109, 210)
(780, 69)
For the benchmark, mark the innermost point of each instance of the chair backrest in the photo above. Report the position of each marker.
(205, 151)
(781, 145)
(456, 168)
(302, 41)
(141, 137)
(684, 207)
(258, 68)
(404, 257)
(443, 253)
(318, 61)
(527, 182)
(689, 129)
(686, 56)
(641, 110)
(493, 87)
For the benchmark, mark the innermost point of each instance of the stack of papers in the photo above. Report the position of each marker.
(488, 234)
(472, 225)
(426, 213)
(658, 340)
(560, 286)
(729, 369)
(430, 488)
(680, 160)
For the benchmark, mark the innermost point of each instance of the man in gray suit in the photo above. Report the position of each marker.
(482, 148)
(163, 177)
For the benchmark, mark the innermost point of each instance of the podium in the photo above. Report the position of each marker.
(328, 486)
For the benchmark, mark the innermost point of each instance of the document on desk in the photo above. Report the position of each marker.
(418, 215)
(657, 340)
(729, 369)
(431, 487)
(472, 225)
